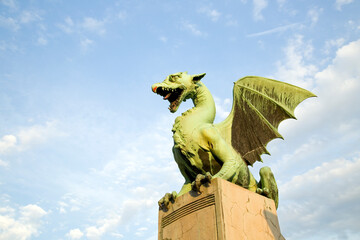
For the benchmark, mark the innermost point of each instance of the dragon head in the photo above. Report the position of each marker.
(177, 87)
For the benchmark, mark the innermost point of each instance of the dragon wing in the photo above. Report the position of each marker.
(259, 105)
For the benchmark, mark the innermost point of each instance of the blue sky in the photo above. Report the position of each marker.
(85, 146)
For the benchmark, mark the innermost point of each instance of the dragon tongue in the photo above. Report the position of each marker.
(167, 96)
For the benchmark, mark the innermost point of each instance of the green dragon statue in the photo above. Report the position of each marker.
(204, 150)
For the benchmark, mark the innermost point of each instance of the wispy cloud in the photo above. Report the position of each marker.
(42, 41)
(9, 3)
(275, 30)
(122, 15)
(163, 39)
(259, 6)
(9, 22)
(86, 43)
(87, 25)
(333, 43)
(5, 46)
(70, 203)
(93, 25)
(14, 23)
(213, 14)
(284, 8)
(192, 28)
(29, 16)
(314, 14)
(281, 3)
(231, 21)
(340, 3)
(3, 163)
(68, 26)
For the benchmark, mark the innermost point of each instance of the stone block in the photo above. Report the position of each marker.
(222, 211)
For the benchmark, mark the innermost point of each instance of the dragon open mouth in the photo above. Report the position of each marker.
(173, 95)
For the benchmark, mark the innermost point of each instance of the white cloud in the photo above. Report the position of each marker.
(28, 137)
(37, 134)
(213, 14)
(7, 142)
(21, 224)
(333, 113)
(294, 68)
(105, 225)
(223, 108)
(192, 28)
(322, 201)
(338, 86)
(340, 3)
(259, 6)
(75, 234)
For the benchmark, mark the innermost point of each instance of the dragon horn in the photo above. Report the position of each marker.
(197, 77)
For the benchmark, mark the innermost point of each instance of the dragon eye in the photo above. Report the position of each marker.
(172, 78)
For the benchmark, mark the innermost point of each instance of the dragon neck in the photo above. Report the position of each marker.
(185, 125)
(204, 105)
(202, 112)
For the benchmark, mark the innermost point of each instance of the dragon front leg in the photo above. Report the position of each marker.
(200, 180)
(234, 169)
(165, 201)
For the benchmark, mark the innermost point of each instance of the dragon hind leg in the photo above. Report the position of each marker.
(267, 185)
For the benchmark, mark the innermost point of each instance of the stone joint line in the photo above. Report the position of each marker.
(188, 209)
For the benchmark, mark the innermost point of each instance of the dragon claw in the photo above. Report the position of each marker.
(200, 179)
(165, 201)
(263, 191)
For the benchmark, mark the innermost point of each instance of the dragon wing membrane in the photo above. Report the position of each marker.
(259, 105)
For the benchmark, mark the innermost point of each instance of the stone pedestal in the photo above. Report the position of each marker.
(222, 211)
